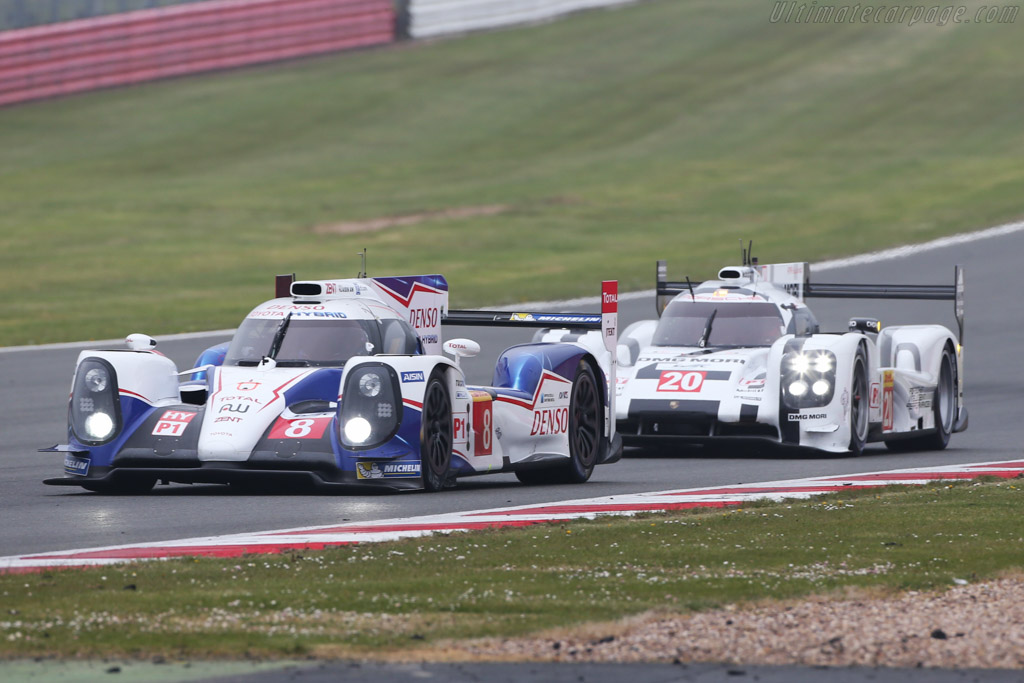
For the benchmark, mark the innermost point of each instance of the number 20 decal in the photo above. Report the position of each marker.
(678, 380)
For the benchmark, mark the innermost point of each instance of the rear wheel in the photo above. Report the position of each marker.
(586, 429)
(436, 435)
(943, 409)
(859, 405)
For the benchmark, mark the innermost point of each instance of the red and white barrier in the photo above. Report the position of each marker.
(320, 537)
(119, 49)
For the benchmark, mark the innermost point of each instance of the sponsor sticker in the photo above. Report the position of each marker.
(800, 417)
(387, 470)
(172, 423)
(876, 395)
(459, 429)
(564, 319)
(423, 317)
(548, 421)
(610, 313)
(888, 385)
(920, 398)
(414, 376)
(75, 465)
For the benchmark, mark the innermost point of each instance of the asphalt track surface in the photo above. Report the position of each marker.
(34, 385)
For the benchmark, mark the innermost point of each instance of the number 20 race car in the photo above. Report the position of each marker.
(741, 359)
(342, 383)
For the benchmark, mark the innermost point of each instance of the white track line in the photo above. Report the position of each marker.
(873, 257)
(318, 537)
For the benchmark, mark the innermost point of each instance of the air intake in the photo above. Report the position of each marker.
(736, 274)
(307, 289)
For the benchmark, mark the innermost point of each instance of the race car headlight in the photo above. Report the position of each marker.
(371, 406)
(98, 426)
(358, 430)
(369, 384)
(798, 388)
(799, 364)
(95, 410)
(808, 378)
(96, 379)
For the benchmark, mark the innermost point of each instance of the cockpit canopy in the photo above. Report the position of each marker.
(320, 342)
(724, 323)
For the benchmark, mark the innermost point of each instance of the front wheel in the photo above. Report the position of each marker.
(436, 435)
(859, 405)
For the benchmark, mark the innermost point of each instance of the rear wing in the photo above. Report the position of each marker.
(583, 321)
(953, 292)
(796, 279)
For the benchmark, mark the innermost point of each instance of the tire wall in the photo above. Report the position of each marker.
(132, 47)
(119, 49)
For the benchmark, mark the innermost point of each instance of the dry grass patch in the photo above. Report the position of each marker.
(376, 224)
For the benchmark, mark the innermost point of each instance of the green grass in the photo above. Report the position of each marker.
(378, 599)
(667, 129)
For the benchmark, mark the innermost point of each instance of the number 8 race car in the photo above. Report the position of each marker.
(741, 359)
(342, 383)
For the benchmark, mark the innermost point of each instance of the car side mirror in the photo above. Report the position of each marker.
(461, 348)
(139, 342)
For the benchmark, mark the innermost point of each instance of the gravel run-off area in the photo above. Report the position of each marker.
(968, 626)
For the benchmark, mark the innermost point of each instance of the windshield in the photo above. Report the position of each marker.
(304, 342)
(684, 323)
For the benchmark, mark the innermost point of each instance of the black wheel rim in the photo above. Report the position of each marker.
(438, 420)
(858, 416)
(585, 422)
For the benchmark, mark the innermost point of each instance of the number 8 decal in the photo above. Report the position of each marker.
(483, 426)
(299, 429)
(487, 430)
(304, 428)
(677, 380)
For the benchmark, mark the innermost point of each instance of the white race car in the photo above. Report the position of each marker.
(342, 383)
(742, 359)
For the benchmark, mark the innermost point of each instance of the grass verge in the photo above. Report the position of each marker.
(386, 599)
(607, 140)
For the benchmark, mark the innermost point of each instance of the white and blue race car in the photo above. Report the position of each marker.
(342, 383)
(742, 360)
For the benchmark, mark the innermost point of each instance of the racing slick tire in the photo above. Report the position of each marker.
(943, 407)
(586, 429)
(133, 486)
(436, 435)
(859, 404)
